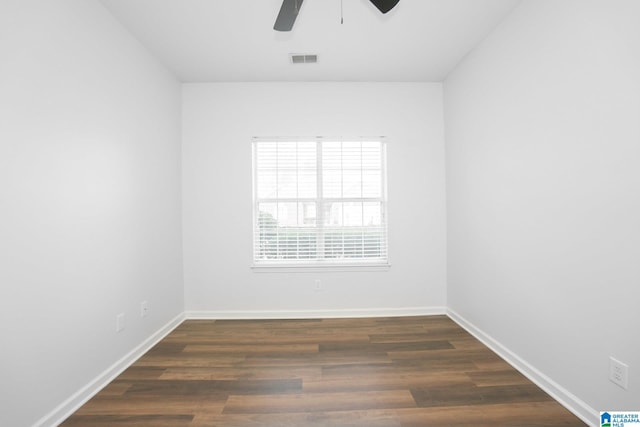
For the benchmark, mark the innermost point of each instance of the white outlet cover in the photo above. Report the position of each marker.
(619, 373)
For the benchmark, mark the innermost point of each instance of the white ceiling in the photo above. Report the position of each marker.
(234, 40)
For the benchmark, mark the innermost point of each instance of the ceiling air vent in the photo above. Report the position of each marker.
(303, 59)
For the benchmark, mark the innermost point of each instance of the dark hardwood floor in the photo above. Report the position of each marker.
(373, 372)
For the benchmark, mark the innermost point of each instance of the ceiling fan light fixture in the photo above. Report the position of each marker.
(287, 15)
(385, 6)
(290, 9)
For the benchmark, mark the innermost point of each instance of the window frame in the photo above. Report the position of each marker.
(321, 263)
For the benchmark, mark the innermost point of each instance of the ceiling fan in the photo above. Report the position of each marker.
(290, 8)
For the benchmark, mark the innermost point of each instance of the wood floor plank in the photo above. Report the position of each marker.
(318, 402)
(209, 388)
(137, 372)
(359, 418)
(241, 373)
(369, 372)
(148, 406)
(476, 355)
(320, 359)
(546, 413)
(384, 347)
(536, 414)
(457, 395)
(385, 381)
(250, 349)
(193, 361)
(497, 378)
(130, 421)
(404, 337)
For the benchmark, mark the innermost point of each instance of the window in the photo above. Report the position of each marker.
(319, 202)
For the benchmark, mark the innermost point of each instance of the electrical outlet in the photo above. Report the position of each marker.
(144, 309)
(619, 373)
(120, 322)
(318, 285)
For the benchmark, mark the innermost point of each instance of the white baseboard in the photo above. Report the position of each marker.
(73, 403)
(316, 314)
(555, 390)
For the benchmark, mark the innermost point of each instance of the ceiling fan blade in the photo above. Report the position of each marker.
(288, 14)
(385, 5)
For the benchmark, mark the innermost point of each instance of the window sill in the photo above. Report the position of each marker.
(319, 268)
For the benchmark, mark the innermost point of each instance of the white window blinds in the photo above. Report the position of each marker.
(319, 202)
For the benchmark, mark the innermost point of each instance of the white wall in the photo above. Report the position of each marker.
(543, 182)
(218, 123)
(89, 201)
